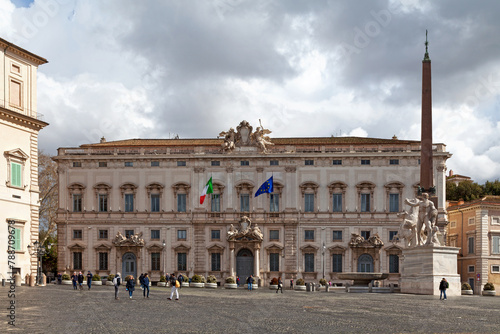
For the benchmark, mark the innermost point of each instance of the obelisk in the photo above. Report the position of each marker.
(426, 167)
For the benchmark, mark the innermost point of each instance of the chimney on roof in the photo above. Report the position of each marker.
(103, 140)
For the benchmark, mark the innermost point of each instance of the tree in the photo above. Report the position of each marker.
(451, 191)
(492, 188)
(48, 185)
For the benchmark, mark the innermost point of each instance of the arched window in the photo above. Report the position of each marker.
(365, 264)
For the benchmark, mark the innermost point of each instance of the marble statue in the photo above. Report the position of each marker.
(426, 219)
(229, 139)
(408, 229)
(260, 138)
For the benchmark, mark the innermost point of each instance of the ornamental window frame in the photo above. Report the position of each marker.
(76, 189)
(310, 188)
(129, 189)
(102, 188)
(366, 187)
(338, 187)
(245, 187)
(218, 189)
(18, 157)
(181, 188)
(393, 188)
(154, 188)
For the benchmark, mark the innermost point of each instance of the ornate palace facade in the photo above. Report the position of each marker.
(133, 205)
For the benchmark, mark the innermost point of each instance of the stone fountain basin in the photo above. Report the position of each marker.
(362, 278)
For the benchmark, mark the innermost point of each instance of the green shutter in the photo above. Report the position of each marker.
(15, 174)
(17, 239)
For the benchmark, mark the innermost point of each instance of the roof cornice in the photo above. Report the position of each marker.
(6, 45)
(21, 119)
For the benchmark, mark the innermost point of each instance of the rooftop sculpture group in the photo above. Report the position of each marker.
(245, 137)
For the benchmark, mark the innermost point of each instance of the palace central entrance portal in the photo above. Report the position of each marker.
(129, 265)
(244, 265)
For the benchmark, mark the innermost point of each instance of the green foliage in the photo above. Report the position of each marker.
(211, 279)
(492, 188)
(230, 280)
(489, 287)
(322, 281)
(466, 286)
(96, 277)
(110, 277)
(300, 281)
(274, 281)
(162, 278)
(198, 279)
(66, 277)
(466, 190)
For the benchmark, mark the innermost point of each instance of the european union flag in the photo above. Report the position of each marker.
(266, 187)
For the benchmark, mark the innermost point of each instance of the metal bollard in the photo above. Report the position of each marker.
(3, 281)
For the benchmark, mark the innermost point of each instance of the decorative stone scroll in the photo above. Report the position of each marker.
(133, 240)
(358, 241)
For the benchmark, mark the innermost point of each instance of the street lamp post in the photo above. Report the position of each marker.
(39, 250)
(164, 270)
(324, 259)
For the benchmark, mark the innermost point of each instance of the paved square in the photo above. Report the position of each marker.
(60, 309)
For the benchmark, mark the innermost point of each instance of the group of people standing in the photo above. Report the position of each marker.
(144, 281)
(77, 280)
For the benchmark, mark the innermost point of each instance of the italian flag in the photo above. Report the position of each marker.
(209, 189)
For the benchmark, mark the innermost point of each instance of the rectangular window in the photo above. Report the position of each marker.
(155, 202)
(129, 164)
(103, 202)
(15, 93)
(181, 202)
(181, 234)
(155, 261)
(472, 221)
(16, 179)
(103, 234)
(215, 163)
(215, 203)
(495, 269)
(337, 235)
(453, 224)
(77, 260)
(155, 234)
(472, 269)
(337, 263)
(215, 234)
(393, 202)
(337, 203)
(103, 164)
(309, 262)
(365, 161)
(309, 203)
(274, 163)
(181, 163)
(274, 262)
(495, 244)
(103, 261)
(365, 202)
(495, 220)
(393, 263)
(17, 239)
(181, 261)
(394, 162)
(77, 234)
(365, 234)
(471, 245)
(129, 202)
(274, 235)
(309, 163)
(245, 163)
(245, 203)
(309, 235)
(155, 163)
(336, 162)
(129, 233)
(215, 261)
(392, 234)
(274, 202)
(77, 164)
(77, 203)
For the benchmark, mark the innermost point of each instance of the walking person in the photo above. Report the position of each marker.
(59, 278)
(291, 284)
(174, 283)
(238, 281)
(116, 283)
(443, 285)
(145, 282)
(180, 279)
(250, 282)
(80, 280)
(280, 285)
(74, 279)
(130, 286)
(141, 281)
(89, 279)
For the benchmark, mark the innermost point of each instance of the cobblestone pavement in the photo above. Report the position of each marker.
(60, 309)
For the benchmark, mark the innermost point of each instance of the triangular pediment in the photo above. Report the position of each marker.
(16, 153)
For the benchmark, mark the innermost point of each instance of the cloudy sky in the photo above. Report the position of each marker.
(152, 69)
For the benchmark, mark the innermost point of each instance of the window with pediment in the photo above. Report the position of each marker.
(76, 193)
(244, 191)
(102, 194)
(155, 193)
(128, 191)
(216, 199)
(394, 195)
(365, 196)
(309, 192)
(337, 196)
(16, 160)
(181, 196)
(275, 199)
